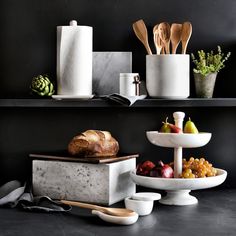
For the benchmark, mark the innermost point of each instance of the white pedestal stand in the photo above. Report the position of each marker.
(178, 197)
(177, 188)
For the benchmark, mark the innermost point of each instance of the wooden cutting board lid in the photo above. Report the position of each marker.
(94, 160)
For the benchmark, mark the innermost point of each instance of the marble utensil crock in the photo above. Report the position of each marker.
(167, 76)
(95, 183)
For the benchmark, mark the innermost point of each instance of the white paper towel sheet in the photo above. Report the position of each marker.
(74, 60)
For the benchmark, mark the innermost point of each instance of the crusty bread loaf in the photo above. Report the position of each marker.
(93, 143)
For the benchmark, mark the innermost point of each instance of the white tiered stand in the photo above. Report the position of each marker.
(178, 189)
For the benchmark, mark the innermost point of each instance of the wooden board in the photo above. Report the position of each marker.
(95, 160)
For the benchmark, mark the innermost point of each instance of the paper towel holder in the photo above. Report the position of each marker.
(73, 23)
(74, 59)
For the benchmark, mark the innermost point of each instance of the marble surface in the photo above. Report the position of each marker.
(107, 67)
(118, 220)
(179, 183)
(173, 140)
(167, 76)
(178, 189)
(94, 183)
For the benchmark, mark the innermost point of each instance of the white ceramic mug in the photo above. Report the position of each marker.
(127, 85)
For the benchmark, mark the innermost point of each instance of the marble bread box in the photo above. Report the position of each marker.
(103, 183)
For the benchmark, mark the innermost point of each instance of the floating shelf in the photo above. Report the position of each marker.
(96, 102)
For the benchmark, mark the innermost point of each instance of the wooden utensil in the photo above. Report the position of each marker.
(164, 34)
(157, 40)
(140, 30)
(186, 34)
(175, 36)
(107, 210)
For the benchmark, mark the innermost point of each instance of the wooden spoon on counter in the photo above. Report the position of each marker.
(175, 36)
(164, 34)
(186, 34)
(140, 30)
(107, 210)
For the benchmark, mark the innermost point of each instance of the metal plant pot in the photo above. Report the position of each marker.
(204, 85)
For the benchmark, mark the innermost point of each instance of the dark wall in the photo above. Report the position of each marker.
(28, 48)
(28, 130)
(28, 33)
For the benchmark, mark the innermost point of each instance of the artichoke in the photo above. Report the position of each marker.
(42, 86)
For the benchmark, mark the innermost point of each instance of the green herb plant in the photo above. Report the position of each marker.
(209, 62)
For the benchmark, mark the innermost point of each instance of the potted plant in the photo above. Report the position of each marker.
(207, 65)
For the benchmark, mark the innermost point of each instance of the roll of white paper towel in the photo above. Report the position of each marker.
(74, 59)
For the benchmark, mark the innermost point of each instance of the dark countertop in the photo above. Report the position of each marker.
(215, 214)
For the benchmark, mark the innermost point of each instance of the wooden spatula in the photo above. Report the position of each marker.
(157, 40)
(140, 30)
(108, 210)
(164, 34)
(186, 34)
(175, 36)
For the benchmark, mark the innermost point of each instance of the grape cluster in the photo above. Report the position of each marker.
(197, 168)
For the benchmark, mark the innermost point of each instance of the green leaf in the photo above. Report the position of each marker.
(209, 62)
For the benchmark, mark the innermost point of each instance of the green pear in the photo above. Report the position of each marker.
(165, 128)
(190, 127)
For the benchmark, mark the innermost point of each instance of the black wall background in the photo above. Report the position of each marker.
(28, 48)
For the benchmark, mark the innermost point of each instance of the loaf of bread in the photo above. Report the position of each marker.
(93, 143)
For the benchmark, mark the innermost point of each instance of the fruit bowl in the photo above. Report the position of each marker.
(178, 188)
(175, 140)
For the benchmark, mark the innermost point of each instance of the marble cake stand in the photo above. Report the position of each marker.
(178, 189)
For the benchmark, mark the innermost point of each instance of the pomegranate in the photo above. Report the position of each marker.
(155, 172)
(145, 167)
(166, 170)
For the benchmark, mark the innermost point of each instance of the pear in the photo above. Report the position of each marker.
(165, 128)
(190, 127)
(169, 128)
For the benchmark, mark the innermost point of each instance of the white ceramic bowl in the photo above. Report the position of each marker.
(178, 189)
(178, 140)
(179, 183)
(139, 206)
(146, 196)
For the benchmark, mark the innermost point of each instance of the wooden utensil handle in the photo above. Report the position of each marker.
(174, 48)
(149, 51)
(184, 47)
(83, 205)
(167, 48)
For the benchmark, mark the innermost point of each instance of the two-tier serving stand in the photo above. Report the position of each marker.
(177, 188)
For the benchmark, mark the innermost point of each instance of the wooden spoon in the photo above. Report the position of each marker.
(164, 34)
(186, 34)
(107, 210)
(175, 36)
(140, 30)
(157, 40)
